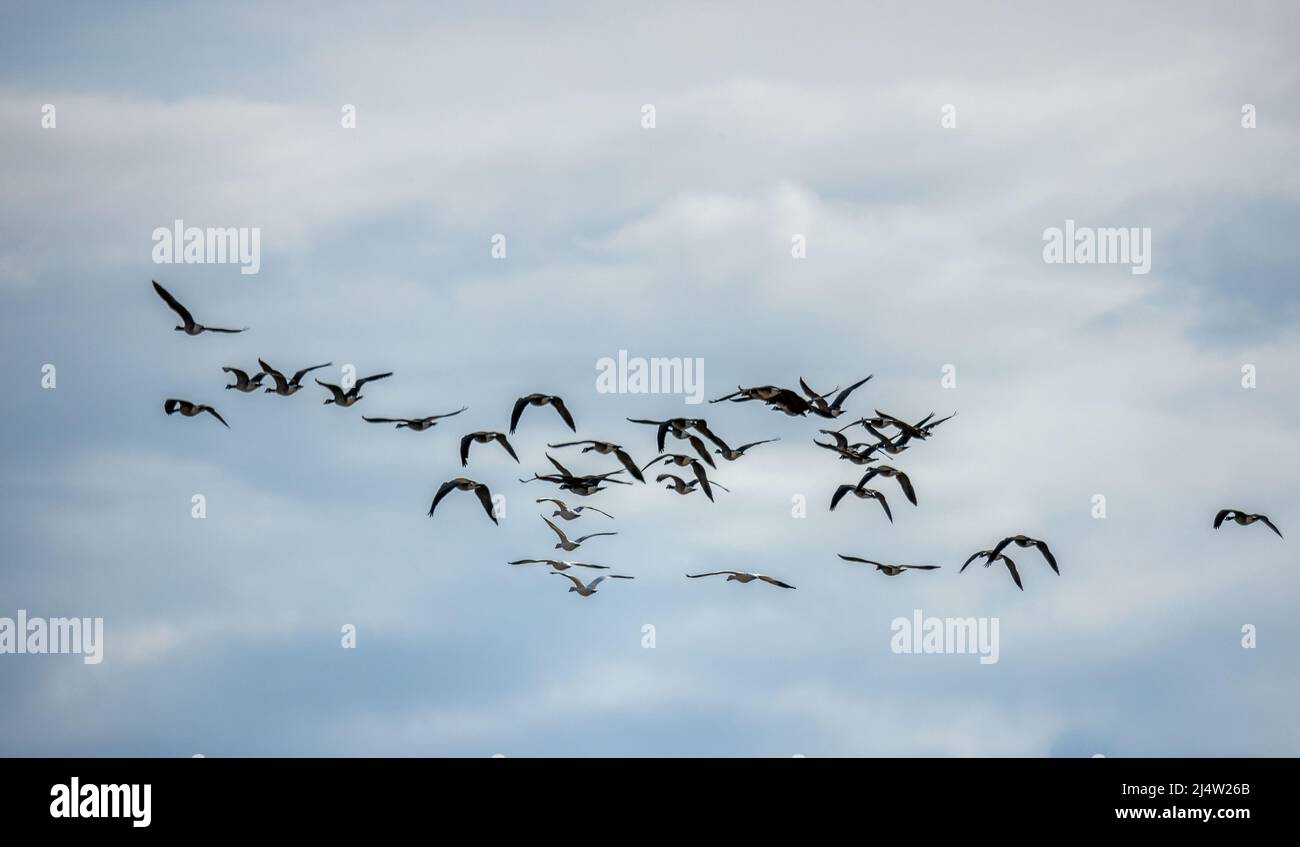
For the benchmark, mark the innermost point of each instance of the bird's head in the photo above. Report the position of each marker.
(179, 328)
(731, 577)
(559, 546)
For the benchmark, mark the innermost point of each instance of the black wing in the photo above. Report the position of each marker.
(174, 303)
(564, 412)
(516, 412)
(442, 492)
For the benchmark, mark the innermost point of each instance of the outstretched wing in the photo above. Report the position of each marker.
(1218, 519)
(839, 495)
(485, 497)
(442, 492)
(843, 395)
(857, 559)
(1047, 554)
(626, 460)
(464, 449)
(593, 535)
(559, 467)
(215, 414)
(774, 581)
(1268, 523)
(703, 478)
(906, 484)
(339, 396)
(175, 304)
(501, 437)
(563, 538)
(577, 582)
(564, 412)
(1015, 574)
(973, 557)
(516, 412)
(593, 509)
(298, 375)
(710, 573)
(884, 504)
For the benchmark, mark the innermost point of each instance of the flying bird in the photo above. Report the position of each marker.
(484, 438)
(989, 559)
(540, 400)
(891, 472)
(731, 454)
(287, 387)
(565, 544)
(819, 405)
(415, 424)
(557, 564)
(588, 589)
(243, 382)
(862, 492)
(1026, 541)
(605, 448)
(742, 577)
(189, 410)
(1244, 519)
(189, 327)
(684, 461)
(889, 570)
(851, 452)
(583, 486)
(570, 514)
(681, 428)
(352, 395)
(460, 483)
(681, 486)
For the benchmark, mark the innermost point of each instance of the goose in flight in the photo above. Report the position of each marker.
(680, 428)
(731, 454)
(1026, 541)
(484, 438)
(681, 486)
(892, 446)
(605, 448)
(570, 514)
(583, 486)
(889, 570)
(287, 387)
(541, 400)
(189, 327)
(848, 451)
(743, 577)
(460, 483)
(1244, 519)
(189, 410)
(684, 461)
(829, 410)
(744, 395)
(243, 382)
(564, 543)
(987, 555)
(891, 472)
(862, 492)
(790, 402)
(415, 424)
(557, 564)
(352, 395)
(588, 589)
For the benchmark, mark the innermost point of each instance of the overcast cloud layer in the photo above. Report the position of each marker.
(924, 249)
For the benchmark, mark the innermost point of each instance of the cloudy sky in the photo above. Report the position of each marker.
(924, 249)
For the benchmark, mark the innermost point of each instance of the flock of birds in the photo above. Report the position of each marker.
(888, 436)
